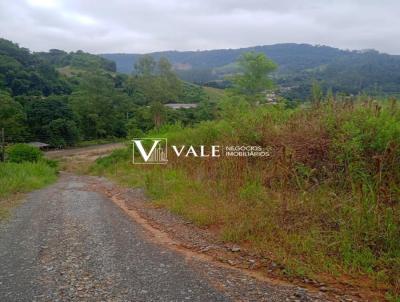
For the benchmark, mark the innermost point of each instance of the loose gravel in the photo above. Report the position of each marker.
(65, 243)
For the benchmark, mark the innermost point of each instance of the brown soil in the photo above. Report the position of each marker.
(78, 160)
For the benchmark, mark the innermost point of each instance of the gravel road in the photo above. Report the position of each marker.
(67, 243)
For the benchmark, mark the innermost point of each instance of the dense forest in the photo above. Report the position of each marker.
(62, 98)
(350, 72)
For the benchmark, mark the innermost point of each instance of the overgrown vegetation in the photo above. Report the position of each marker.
(23, 177)
(19, 153)
(327, 200)
(25, 170)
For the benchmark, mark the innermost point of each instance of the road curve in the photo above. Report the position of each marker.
(67, 243)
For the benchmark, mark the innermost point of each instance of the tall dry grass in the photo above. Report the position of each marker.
(327, 200)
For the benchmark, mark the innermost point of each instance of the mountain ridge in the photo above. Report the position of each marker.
(235, 51)
(347, 71)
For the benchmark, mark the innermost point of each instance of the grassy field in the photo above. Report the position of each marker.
(214, 94)
(20, 178)
(327, 202)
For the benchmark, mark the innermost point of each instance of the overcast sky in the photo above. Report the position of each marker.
(152, 25)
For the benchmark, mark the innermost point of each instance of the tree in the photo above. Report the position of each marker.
(100, 109)
(62, 133)
(130, 86)
(254, 80)
(133, 128)
(41, 112)
(155, 85)
(12, 118)
(205, 111)
(168, 81)
(145, 66)
(165, 68)
(158, 113)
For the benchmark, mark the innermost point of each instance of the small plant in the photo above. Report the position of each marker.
(115, 156)
(23, 153)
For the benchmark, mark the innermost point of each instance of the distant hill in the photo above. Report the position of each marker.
(299, 64)
(25, 73)
(297, 56)
(22, 72)
(78, 59)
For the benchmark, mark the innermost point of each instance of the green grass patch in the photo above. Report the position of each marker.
(21, 178)
(215, 94)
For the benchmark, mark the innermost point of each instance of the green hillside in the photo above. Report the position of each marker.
(346, 71)
(63, 98)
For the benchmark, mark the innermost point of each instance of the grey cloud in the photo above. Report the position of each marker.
(153, 25)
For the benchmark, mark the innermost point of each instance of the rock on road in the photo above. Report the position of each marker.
(65, 243)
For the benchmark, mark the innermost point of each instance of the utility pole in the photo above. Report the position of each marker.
(3, 146)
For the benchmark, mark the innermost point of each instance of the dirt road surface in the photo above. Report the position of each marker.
(84, 151)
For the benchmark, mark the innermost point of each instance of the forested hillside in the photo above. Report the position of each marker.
(24, 73)
(344, 71)
(62, 98)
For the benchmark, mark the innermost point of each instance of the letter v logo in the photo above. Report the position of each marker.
(156, 155)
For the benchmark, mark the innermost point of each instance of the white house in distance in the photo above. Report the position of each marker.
(175, 106)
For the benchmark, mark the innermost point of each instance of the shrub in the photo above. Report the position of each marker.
(115, 156)
(22, 152)
(24, 177)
